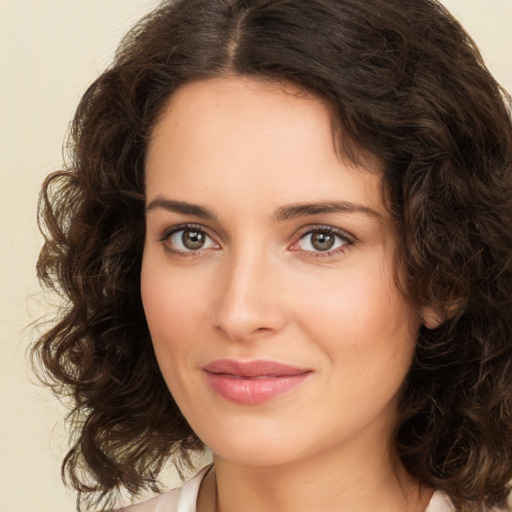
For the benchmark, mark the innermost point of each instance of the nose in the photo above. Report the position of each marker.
(248, 301)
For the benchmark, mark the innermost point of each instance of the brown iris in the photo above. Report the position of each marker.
(322, 241)
(193, 239)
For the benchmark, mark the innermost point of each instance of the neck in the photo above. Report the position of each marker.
(313, 484)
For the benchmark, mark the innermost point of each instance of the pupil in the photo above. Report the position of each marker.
(192, 239)
(322, 241)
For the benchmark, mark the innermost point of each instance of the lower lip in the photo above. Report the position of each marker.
(253, 390)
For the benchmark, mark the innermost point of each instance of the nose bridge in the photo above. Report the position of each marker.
(246, 301)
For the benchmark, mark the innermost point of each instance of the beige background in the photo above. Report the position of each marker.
(49, 51)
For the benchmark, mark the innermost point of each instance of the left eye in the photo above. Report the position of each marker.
(191, 239)
(321, 241)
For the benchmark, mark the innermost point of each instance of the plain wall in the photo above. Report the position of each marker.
(49, 51)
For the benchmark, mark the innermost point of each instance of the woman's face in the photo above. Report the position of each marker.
(268, 277)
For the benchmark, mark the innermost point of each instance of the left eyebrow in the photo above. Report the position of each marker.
(181, 207)
(293, 211)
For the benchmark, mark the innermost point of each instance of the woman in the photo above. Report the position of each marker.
(284, 235)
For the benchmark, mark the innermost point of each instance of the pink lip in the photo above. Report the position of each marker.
(252, 382)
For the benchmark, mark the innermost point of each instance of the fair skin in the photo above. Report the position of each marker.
(265, 248)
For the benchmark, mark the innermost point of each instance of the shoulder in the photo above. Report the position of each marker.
(440, 503)
(181, 499)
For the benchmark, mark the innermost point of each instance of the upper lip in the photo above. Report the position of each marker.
(257, 368)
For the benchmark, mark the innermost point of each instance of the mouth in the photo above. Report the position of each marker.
(252, 382)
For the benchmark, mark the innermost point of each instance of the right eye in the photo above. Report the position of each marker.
(188, 239)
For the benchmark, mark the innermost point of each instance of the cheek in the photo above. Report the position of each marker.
(168, 307)
(353, 300)
(175, 305)
(169, 298)
(361, 320)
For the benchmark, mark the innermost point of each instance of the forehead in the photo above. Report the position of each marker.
(253, 138)
(222, 104)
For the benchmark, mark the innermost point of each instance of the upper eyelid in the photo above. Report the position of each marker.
(217, 233)
(323, 227)
(183, 227)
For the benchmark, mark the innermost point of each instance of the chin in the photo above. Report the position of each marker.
(257, 456)
(252, 445)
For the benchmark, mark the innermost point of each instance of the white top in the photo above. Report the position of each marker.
(183, 499)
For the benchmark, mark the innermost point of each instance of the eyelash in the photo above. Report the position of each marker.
(341, 235)
(165, 239)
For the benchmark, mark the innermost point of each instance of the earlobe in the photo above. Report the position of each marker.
(430, 318)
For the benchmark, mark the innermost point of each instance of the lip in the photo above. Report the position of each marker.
(252, 382)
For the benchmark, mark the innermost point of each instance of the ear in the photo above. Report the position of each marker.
(430, 318)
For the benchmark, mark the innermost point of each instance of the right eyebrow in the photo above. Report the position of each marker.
(180, 207)
(304, 209)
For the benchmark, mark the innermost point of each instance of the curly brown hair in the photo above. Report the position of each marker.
(405, 83)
